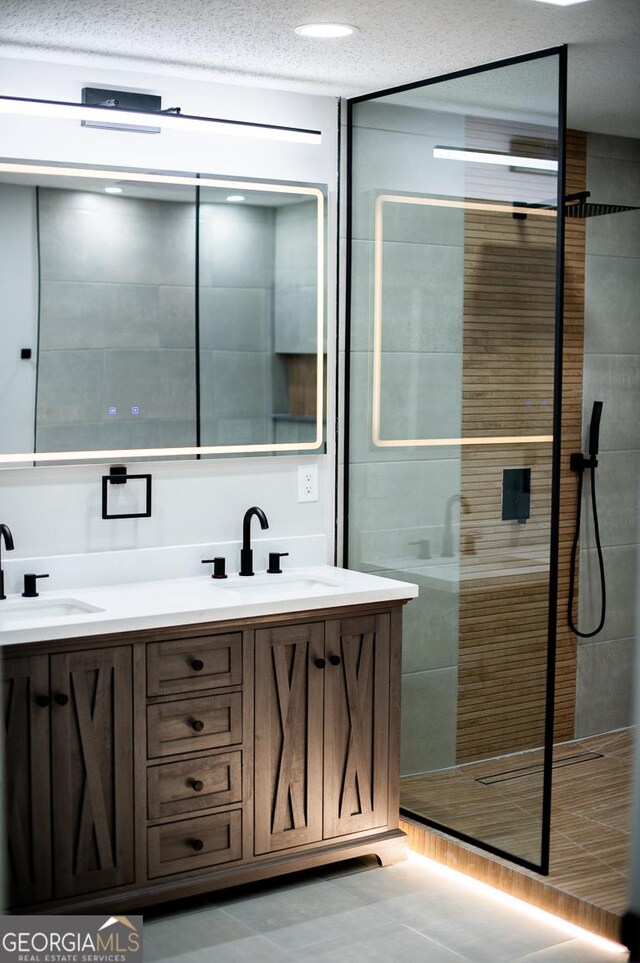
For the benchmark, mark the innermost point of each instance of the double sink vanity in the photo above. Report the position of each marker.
(176, 736)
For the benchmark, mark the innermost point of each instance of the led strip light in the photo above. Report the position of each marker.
(376, 405)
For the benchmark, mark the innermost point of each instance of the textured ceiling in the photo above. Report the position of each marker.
(399, 41)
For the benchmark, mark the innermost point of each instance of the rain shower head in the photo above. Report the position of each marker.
(576, 205)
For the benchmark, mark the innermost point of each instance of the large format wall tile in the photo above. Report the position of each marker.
(614, 182)
(617, 499)
(620, 148)
(235, 319)
(621, 568)
(612, 307)
(615, 380)
(160, 383)
(236, 246)
(605, 686)
(69, 387)
(429, 710)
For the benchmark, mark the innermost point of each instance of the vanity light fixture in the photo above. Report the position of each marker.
(325, 31)
(236, 198)
(113, 190)
(62, 110)
(495, 157)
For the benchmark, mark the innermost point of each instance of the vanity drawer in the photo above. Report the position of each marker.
(190, 725)
(185, 665)
(201, 783)
(194, 843)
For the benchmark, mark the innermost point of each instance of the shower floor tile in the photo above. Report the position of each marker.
(500, 800)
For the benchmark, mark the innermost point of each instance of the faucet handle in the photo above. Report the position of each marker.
(274, 562)
(219, 564)
(30, 585)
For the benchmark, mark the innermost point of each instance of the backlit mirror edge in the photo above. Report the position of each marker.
(70, 458)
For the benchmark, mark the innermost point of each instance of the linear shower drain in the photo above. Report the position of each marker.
(532, 770)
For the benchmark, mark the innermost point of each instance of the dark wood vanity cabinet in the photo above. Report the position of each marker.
(159, 764)
(68, 773)
(322, 731)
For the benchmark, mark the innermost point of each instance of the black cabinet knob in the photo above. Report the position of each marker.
(197, 785)
(61, 698)
(334, 659)
(43, 701)
(320, 663)
(197, 844)
(197, 725)
(197, 665)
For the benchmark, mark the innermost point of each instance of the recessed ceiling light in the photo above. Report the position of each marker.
(562, 3)
(325, 31)
(236, 198)
(113, 190)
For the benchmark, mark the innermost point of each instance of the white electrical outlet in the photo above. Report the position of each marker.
(307, 483)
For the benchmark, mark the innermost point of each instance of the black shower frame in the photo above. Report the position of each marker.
(561, 53)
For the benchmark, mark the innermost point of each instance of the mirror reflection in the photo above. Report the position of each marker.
(147, 316)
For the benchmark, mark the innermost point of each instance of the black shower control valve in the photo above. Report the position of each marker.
(219, 565)
(274, 562)
(30, 585)
(579, 462)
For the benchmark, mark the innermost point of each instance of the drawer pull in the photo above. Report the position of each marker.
(197, 844)
(197, 785)
(197, 725)
(61, 698)
(334, 659)
(320, 663)
(197, 665)
(43, 701)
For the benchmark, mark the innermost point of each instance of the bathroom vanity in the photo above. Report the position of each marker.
(171, 738)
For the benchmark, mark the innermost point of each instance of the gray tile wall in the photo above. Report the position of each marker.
(295, 283)
(399, 495)
(117, 322)
(19, 316)
(237, 266)
(612, 375)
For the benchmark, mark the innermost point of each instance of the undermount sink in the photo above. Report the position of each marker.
(279, 588)
(13, 613)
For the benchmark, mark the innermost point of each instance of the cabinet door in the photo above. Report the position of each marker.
(356, 724)
(92, 758)
(27, 782)
(288, 742)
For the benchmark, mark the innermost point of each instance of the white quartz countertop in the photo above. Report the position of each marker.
(134, 606)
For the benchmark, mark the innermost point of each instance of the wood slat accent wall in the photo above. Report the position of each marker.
(509, 298)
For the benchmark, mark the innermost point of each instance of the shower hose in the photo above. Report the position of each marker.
(574, 555)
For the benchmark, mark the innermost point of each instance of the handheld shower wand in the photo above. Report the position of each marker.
(580, 463)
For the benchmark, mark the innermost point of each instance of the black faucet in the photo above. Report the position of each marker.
(246, 553)
(5, 532)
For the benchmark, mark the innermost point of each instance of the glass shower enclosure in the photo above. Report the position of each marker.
(455, 242)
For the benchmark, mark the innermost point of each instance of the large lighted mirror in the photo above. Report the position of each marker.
(147, 314)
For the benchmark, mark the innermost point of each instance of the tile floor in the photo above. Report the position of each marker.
(591, 804)
(357, 912)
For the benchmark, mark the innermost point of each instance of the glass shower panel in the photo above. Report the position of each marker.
(452, 348)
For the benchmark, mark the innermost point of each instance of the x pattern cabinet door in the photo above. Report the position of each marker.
(92, 759)
(27, 780)
(356, 724)
(288, 767)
